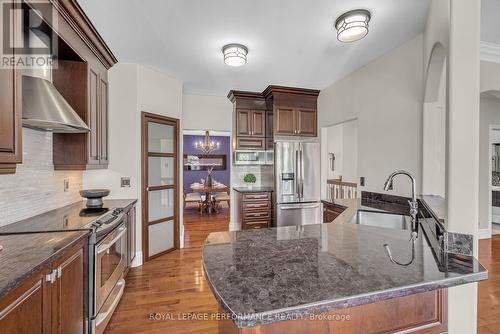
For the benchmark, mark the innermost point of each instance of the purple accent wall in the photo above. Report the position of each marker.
(191, 176)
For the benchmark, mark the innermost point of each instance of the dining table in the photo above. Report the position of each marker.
(208, 204)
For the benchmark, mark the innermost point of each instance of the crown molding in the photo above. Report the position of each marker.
(490, 52)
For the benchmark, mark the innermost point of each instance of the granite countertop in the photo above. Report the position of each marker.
(62, 219)
(436, 204)
(256, 189)
(24, 254)
(266, 275)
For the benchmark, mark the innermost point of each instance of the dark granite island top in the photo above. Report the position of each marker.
(263, 276)
(24, 254)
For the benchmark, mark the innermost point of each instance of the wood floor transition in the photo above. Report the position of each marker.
(173, 286)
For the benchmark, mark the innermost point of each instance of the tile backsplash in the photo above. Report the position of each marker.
(264, 175)
(36, 187)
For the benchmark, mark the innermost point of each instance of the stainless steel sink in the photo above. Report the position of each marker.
(382, 219)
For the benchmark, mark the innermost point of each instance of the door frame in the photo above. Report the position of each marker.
(145, 118)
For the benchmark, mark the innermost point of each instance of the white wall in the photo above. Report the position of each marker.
(35, 187)
(201, 112)
(489, 115)
(386, 98)
(490, 76)
(434, 139)
(342, 141)
(462, 186)
(134, 88)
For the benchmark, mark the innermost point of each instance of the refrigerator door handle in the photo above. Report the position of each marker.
(300, 207)
(297, 171)
(301, 172)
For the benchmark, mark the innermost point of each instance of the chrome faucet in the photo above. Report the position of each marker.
(413, 203)
(413, 213)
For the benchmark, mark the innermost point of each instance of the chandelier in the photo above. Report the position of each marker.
(207, 146)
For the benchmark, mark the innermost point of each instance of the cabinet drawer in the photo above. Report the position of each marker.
(256, 215)
(249, 225)
(250, 143)
(257, 205)
(256, 197)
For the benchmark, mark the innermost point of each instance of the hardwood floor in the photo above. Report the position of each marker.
(488, 319)
(197, 227)
(172, 286)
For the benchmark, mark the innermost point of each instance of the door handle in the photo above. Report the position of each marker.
(297, 178)
(300, 207)
(107, 246)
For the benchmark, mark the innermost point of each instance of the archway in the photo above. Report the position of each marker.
(434, 125)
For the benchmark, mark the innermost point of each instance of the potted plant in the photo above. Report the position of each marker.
(250, 179)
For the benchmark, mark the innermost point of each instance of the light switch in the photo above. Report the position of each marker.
(125, 182)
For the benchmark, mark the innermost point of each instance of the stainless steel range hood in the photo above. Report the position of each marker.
(44, 108)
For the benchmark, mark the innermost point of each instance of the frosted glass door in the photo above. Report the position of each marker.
(160, 189)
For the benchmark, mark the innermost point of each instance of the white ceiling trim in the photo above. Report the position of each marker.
(490, 52)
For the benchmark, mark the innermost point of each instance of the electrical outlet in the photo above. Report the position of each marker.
(125, 182)
(66, 185)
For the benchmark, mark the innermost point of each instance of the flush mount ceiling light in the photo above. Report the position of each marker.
(235, 54)
(353, 25)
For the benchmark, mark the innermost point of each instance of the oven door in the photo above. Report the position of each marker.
(110, 263)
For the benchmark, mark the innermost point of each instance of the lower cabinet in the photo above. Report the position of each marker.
(331, 211)
(50, 301)
(254, 210)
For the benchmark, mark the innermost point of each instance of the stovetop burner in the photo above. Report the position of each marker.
(91, 212)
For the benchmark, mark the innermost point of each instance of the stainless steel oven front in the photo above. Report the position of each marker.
(110, 263)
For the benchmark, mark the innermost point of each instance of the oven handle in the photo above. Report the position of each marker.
(103, 316)
(102, 248)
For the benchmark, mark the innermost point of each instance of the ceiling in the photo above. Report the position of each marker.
(290, 42)
(490, 21)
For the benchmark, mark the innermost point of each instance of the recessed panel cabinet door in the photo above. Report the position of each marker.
(258, 123)
(67, 295)
(306, 122)
(26, 309)
(10, 114)
(284, 121)
(103, 127)
(93, 118)
(243, 122)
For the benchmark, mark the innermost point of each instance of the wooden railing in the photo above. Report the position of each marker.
(338, 189)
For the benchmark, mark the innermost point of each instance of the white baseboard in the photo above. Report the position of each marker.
(137, 260)
(484, 233)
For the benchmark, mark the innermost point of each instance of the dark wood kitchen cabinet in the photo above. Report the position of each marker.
(50, 301)
(295, 110)
(331, 211)
(249, 120)
(254, 210)
(250, 123)
(81, 76)
(10, 117)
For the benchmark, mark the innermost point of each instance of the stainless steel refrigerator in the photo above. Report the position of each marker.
(297, 183)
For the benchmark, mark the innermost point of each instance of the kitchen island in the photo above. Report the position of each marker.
(331, 278)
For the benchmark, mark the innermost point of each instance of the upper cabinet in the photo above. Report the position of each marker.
(10, 116)
(278, 111)
(295, 110)
(81, 77)
(249, 120)
(250, 123)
